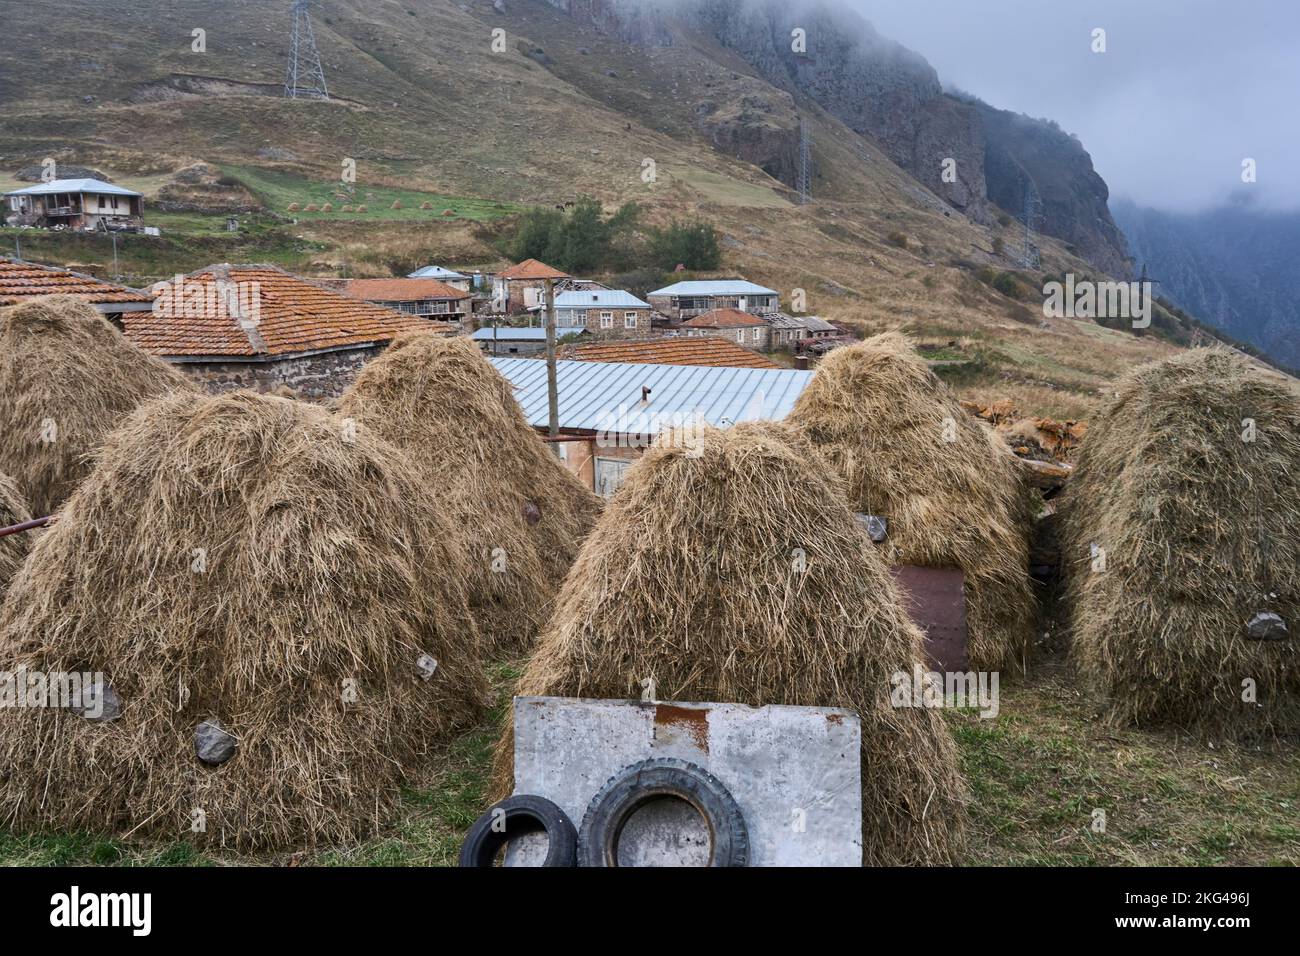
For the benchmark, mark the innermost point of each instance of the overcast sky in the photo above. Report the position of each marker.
(1186, 90)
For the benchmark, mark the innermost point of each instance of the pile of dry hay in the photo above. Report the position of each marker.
(67, 378)
(525, 514)
(949, 487)
(239, 558)
(1181, 524)
(729, 569)
(13, 549)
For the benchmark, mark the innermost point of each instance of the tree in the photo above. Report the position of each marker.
(693, 245)
(577, 241)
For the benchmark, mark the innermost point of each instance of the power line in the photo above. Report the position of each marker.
(304, 77)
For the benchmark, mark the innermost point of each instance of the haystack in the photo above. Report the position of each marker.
(443, 403)
(240, 560)
(948, 487)
(67, 378)
(13, 548)
(1182, 526)
(729, 569)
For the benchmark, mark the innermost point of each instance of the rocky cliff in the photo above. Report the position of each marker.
(888, 94)
(1230, 267)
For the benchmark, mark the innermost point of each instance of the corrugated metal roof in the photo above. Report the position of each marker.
(714, 287)
(606, 396)
(599, 298)
(436, 272)
(74, 186)
(507, 333)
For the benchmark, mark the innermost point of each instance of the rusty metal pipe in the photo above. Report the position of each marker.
(26, 526)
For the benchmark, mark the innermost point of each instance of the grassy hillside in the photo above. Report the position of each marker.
(429, 113)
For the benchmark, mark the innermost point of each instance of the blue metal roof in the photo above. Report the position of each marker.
(598, 299)
(606, 396)
(435, 272)
(74, 186)
(508, 333)
(715, 287)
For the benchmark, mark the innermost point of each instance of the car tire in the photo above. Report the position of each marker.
(630, 789)
(523, 813)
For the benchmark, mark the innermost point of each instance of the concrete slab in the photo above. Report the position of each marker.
(794, 771)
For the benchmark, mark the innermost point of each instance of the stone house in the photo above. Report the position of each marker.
(21, 280)
(259, 327)
(427, 298)
(605, 313)
(522, 286)
(744, 328)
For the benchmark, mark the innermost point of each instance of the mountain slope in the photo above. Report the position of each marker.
(1233, 267)
(571, 105)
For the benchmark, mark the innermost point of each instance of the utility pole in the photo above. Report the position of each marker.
(117, 276)
(552, 387)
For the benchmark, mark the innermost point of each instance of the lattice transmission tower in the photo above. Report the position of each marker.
(1033, 213)
(304, 77)
(805, 163)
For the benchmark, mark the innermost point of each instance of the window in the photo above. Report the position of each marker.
(629, 320)
(740, 336)
(758, 335)
(607, 320)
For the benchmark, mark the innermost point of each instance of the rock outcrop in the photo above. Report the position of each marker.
(970, 154)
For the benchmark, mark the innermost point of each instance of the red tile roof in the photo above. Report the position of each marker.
(401, 290)
(21, 280)
(532, 269)
(723, 319)
(677, 350)
(274, 313)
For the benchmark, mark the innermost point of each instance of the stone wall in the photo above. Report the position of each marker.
(312, 377)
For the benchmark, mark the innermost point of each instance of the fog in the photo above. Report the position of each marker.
(1185, 91)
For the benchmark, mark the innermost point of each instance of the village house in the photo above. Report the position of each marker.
(259, 327)
(20, 280)
(514, 340)
(612, 411)
(522, 286)
(744, 328)
(797, 332)
(685, 300)
(427, 298)
(75, 204)
(603, 312)
(457, 280)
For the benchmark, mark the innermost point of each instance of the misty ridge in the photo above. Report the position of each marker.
(1180, 107)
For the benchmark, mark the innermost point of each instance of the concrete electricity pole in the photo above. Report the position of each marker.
(552, 389)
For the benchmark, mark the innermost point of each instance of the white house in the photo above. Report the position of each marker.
(684, 300)
(75, 204)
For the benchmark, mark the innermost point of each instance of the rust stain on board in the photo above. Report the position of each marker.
(694, 721)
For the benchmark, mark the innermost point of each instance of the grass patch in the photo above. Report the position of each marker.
(277, 190)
